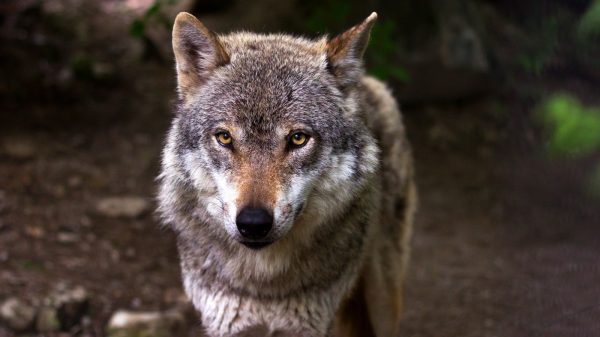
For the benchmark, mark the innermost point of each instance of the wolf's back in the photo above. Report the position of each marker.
(390, 242)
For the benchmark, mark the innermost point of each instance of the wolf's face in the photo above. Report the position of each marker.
(266, 134)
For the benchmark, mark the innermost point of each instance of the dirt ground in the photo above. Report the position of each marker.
(506, 243)
(503, 245)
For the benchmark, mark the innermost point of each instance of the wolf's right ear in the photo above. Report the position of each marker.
(198, 52)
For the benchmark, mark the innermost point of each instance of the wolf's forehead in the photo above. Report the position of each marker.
(271, 80)
(275, 49)
(271, 100)
(236, 42)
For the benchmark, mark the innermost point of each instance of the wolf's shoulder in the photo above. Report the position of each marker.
(380, 110)
(378, 92)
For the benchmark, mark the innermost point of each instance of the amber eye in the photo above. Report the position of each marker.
(298, 139)
(224, 138)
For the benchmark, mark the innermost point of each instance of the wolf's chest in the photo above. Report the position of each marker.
(227, 314)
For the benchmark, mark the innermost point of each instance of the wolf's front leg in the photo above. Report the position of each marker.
(265, 333)
(299, 334)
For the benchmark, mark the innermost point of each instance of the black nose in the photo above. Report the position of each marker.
(254, 223)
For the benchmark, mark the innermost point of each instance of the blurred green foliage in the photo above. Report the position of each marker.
(587, 40)
(573, 130)
(137, 28)
(383, 46)
(384, 49)
(545, 34)
(589, 24)
(331, 13)
(538, 52)
(82, 66)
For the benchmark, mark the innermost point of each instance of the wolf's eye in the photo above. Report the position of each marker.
(298, 139)
(224, 138)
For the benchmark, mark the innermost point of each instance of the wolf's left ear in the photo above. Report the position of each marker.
(198, 52)
(345, 51)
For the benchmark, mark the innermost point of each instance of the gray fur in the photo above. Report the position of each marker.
(336, 199)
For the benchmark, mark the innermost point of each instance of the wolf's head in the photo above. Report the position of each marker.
(267, 140)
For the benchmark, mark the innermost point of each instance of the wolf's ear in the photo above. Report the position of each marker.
(345, 51)
(198, 52)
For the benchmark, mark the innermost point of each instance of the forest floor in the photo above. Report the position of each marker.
(505, 241)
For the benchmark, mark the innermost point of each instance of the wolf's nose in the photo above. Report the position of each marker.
(254, 223)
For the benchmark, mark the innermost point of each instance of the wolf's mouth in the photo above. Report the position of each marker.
(256, 245)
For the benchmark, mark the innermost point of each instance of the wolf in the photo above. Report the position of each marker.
(288, 181)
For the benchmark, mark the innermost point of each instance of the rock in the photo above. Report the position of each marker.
(19, 147)
(461, 29)
(146, 324)
(103, 71)
(47, 320)
(122, 207)
(130, 253)
(70, 305)
(441, 136)
(67, 237)
(461, 46)
(16, 314)
(35, 232)
(175, 297)
(74, 181)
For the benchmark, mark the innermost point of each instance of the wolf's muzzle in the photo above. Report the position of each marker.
(254, 223)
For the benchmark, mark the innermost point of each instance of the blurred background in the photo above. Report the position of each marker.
(502, 105)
